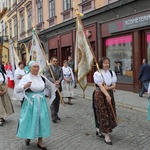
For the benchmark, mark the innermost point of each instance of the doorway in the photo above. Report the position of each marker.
(65, 52)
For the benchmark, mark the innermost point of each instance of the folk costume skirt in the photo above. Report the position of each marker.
(67, 89)
(34, 119)
(6, 107)
(103, 111)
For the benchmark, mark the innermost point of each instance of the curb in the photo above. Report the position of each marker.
(120, 105)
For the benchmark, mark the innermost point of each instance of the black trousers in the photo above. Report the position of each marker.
(55, 107)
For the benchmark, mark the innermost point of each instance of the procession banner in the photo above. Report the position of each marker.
(83, 55)
(36, 53)
(16, 58)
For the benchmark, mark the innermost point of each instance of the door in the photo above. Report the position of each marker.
(52, 52)
(65, 52)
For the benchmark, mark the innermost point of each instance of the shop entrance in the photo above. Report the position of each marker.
(65, 52)
(53, 53)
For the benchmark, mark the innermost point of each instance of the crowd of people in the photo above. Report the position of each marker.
(34, 120)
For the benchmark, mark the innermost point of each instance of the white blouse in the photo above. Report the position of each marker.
(67, 71)
(37, 85)
(106, 77)
(2, 79)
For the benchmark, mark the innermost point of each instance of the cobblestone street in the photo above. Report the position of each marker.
(76, 130)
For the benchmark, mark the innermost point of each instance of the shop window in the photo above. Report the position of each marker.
(119, 51)
(148, 47)
(52, 52)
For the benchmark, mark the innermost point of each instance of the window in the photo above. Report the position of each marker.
(8, 4)
(14, 1)
(119, 51)
(5, 28)
(148, 47)
(67, 4)
(15, 27)
(87, 5)
(29, 19)
(22, 23)
(40, 11)
(10, 29)
(3, 4)
(51, 8)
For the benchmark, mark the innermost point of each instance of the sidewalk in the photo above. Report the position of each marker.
(122, 98)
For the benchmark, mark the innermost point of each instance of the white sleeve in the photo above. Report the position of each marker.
(22, 82)
(52, 89)
(6, 80)
(114, 78)
(16, 74)
(19, 91)
(98, 78)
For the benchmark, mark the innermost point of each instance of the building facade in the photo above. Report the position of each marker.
(119, 30)
(56, 22)
(4, 50)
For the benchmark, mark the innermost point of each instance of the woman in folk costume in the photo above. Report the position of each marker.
(6, 107)
(68, 82)
(19, 73)
(103, 99)
(34, 119)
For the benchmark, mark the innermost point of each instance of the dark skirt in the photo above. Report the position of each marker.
(104, 116)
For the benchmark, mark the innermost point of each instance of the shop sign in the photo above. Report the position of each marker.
(131, 23)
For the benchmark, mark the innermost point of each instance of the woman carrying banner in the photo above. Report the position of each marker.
(34, 119)
(6, 107)
(67, 82)
(103, 99)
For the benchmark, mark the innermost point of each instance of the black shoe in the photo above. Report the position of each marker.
(75, 86)
(108, 143)
(43, 148)
(58, 118)
(54, 120)
(140, 95)
(1, 123)
(3, 119)
(99, 134)
(27, 141)
(69, 103)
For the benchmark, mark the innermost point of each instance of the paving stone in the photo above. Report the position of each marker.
(76, 130)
